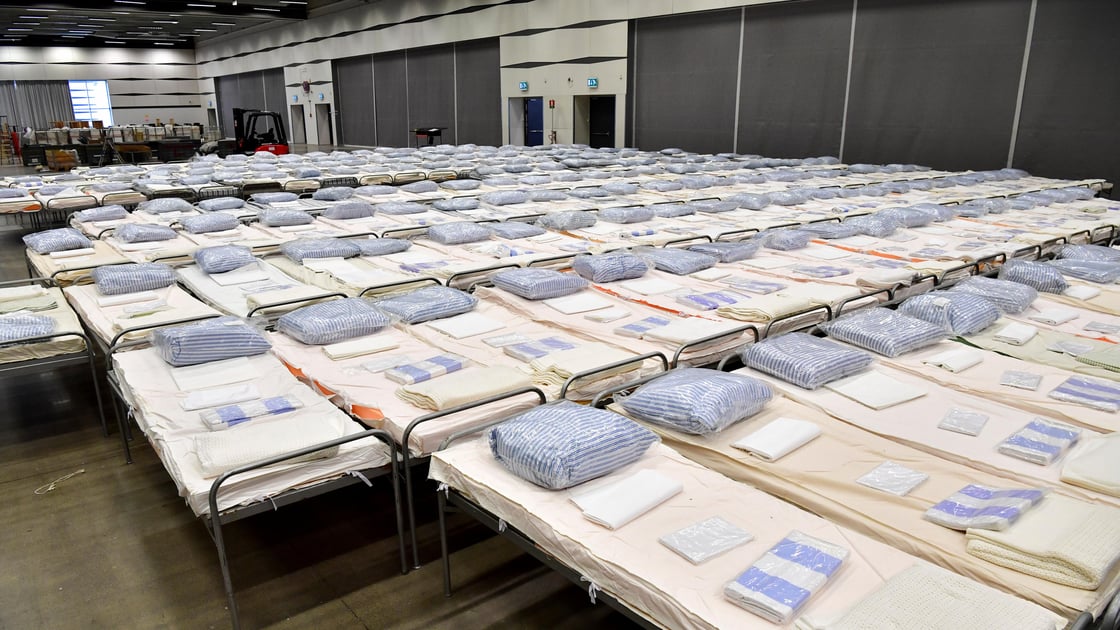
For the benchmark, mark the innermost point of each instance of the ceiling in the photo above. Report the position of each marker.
(139, 23)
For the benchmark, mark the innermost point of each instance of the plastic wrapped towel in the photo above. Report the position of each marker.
(102, 213)
(400, 207)
(455, 204)
(59, 240)
(830, 229)
(213, 222)
(610, 267)
(981, 507)
(728, 252)
(669, 210)
(785, 239)
(302, 248)
(334, 193)
(21, 326)
(459, 232)
(382, 246)
(547, 195)
(353, 209)
(677, 261)
(565, 444)
(567, 220)
(1041, 276)
(273, 217)
(273, 197)
(223, 258)
(1096, 253)
(505, 197)
(333, 321)
(750, 201)
(515, 229)
(166, 204)
(538, 284)
(1009, 297)
(697, 400)
(884, 331)
(427, 303)
(376, 190)
(804, 360)
(873, 225)
(1100, 272)
(130, 278)
(208, 340)
(955, 312)
(143, 233)
(662, 186)
(629, 214)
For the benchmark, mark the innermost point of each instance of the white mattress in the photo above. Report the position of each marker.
(232, 299)
(66, 321)
(107, 322)
(69, 270)
(27, 203)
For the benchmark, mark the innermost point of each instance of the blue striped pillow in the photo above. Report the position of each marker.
(209, 340)
(698, 400)
(333, 321)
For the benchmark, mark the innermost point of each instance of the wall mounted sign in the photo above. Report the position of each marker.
(593, 82)
(523, 86)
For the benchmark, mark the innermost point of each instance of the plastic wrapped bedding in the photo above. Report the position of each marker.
(1038, 275)
(677, 261)
(515, 229)
(101, 213)
(223, 258)
(302, 248)
(334, 193)
(884, 331)
(669, 210)
(567, 220)
(830, 229)
(213, 222)
(273, 197)
(804, 360)
(1101, 272)
(459, 232)
(697, 400)
(1009, 297)
(908, 217)
(547, 195)
(460, 184)
(982, 507)
(620, 188)
(274, 217)
(1095, 253)
(455, 204)
(164, 205)
(956, 313)
(565, 444)
(306, 172)
(427, 303)
(23, 325)
(208, 340)
(333, 321)
(662, 186)
(633, 214)
(610, 267)
(143, 233)
(400, 207)
(873, 225)
(785, 240)
(376, 190)
(943, 213)
(728, 252)
(788, 197)
(538, 284)
(348, 210)
(59, 240)
(130, 278)
(382, 246)
(505, 197)
(221, 203)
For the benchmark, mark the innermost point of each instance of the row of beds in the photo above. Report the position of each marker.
(782, 287)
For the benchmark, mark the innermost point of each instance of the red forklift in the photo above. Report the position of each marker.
(253, 130)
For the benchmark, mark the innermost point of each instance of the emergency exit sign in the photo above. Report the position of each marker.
(523, 86)
(593, 82)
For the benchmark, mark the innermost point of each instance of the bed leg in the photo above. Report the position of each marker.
(407, 472)
(223, 560)
(97, 390)
(400, 515)
(445, 557)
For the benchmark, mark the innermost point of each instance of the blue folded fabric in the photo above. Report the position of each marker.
(884, 331)
(333, 193)
(143, 233)
(423, 186)
(280, 217)
(164, 205)
(101, 213)
(221, 203)
(561, 445)
(302, 248)
(804, 360)
(1091, 392)
(223, 258)
(1041, 441)
(208, 340)
(678, 261)
(785, 239)
(382, 246)
(1096, 253)
(376, 190)
(956, 312)
(1040, 276)
(728, 252)
(1101, 272)
(427, 303)
(332, 321)
(630, 214)
(130, 278)
(426, 370)
(697, 400)
(22, 326)
(821, 271)
(273, 197)
(353, 209)
(538, 284)
(213, 222)
(515, 229)
(610, 267)
(567, 220)
(459, 232)
(59, 240)
(400, 207)
(1009, 297)
(981, 507)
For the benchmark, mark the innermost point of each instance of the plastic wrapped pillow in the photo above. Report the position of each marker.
(458, 232)
(213, 222)
(273, 197)
(908, 217)
(460, 184)
(302, 248)
(938, 211)
(678, 261)
(143, 233)
(333, 321)
(59, 240)
(669, 210)
(565, 444)
(12, 193)
(610, 267)
(788, 197)
(697, 400)
(567, 220)
(1096, 253)
(223, 258)
(751, 201)
(209, 340)
(588, 192)
(956, 312)
(786, 239)
(1041, 276)
(972, 209)
(427, 303)
(195, 180)
(714, 206)
(620, 188)
(424, 186)
(21, 326)
(282, 217)
(348, 210)
(538, 284)
(728, 252)
(804, 360)
(505, 197)
(1091, 270)
(1009, 297)
(884, 331)
(334, 193)
(547, 195)
(221, 203)
(515, 229)
(130, 278)
(455, 204)
(873, 225)
(630, 214)
(830, 229)
(382, 246)
(102, 213)
(166, 204)
(376, 190)
(662, 186)
(400, 207)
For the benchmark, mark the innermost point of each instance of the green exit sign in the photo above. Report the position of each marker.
(523, 86)
(593, 82)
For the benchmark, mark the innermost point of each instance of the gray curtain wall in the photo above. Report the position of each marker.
(263, 89)
(478, 92)
(35, 104)
(431, 89)
(353, 97)
(390, 90)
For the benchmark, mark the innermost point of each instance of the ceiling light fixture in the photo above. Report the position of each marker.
(224, 24)
(202, 6)
(19, 29)
(109, 41)
(72, 37)
(102, 19)
(33, 17)
(165, 21)
(206, 30)
(266, 9)
(163, 44)
(128, 2)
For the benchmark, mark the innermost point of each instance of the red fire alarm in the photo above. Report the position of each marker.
(551, 104)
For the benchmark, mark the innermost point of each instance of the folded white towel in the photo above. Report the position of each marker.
(876, 390)
(650, 286)
(779, 438)
(824, 252)
(1081, 292)
(242, 275)
(710, 274)
(359, 347)
(466, 325)
(145, 246)
(204, 375)
(281, 296)
(687, 329)
(1054, 316)
(1095, 464)
(307, 227)
(464, 386)
(74, 253)
(1016, 334)
(957, 360)
(579, 303)
(22, 293)
(126, 298)
(615, 504)
(772, 262)
(222, 396)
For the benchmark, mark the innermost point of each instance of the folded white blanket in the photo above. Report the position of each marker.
(242, 275)
(1054, 316)
(764, 308)
(74, 253)
(298, 228)
(616, 504)
(650, 286)
(463, 387)
(268, 298)
(231, 395)
(22, 293)
(557, 367)
(957, 360)
(1095, 464)
(819, 293)
(358, 347)
(466, 325)
(885, 278)
(193, 377)
(127, 298)
(1062, 540)
(1081, 292)
(876, 390)
(1016, 334)
(145, 246)
(779, 438)
(685, 330)
(579, 303)
(219, 451)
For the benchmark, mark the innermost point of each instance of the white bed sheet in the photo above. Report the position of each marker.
(107, 322)
(66, 320)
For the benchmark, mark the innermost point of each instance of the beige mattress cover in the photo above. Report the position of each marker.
(1037, 350)
(1047, 301)
(105, 323)
(103, 254)
(66, 320)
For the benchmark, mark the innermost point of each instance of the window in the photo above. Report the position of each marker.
(91, 101)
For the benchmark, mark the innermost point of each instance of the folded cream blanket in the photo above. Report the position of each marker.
(557, 367)
(219, 451)
(765, 308)
(22, 293)
(1062, 540)
(464, 386)
(268, 298)
(1095, 464)
(885, 278)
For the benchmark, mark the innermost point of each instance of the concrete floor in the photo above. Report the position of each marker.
(115, 546)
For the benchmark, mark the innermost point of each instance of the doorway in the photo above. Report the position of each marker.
(323, 123)
(593, 120)
(299, 127)
(526, 121)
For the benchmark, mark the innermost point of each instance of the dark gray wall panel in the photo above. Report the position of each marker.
(431, 89)
(353, 98)
(275, 96)
(795, 63)
(478, 79)
(935, 81)
(228, 97)
(684, 81)
(390, 91)
(1069, 125)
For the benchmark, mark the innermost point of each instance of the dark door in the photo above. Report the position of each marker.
(534, 121)
(601, 123)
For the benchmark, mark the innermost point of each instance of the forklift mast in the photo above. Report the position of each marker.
(256, 130)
